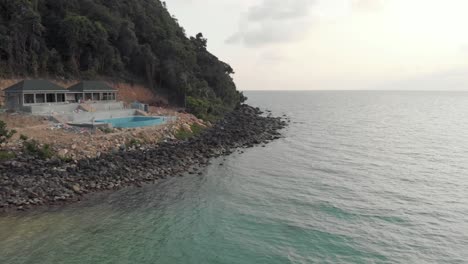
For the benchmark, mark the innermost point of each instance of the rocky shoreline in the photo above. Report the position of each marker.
(27, 182)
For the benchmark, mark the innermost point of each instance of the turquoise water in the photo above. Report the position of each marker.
(361, 177)
(134, 121)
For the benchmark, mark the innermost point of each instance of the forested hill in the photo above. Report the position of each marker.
(136, 41)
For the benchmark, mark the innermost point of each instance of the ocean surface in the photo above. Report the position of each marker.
(360, 177)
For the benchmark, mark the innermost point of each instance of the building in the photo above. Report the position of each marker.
(28, 95)
(31, 92)
(91, 91)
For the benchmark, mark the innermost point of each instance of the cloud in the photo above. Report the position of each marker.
(367, 5)
(464, 48)
(279, 10)
(273, 56)
(274, 21)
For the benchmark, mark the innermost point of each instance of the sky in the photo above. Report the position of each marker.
(335, 44)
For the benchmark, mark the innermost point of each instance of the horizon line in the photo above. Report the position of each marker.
(355, 90)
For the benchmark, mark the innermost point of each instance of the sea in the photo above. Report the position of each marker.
(358, 177)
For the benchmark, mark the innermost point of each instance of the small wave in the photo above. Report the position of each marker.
(347, 215)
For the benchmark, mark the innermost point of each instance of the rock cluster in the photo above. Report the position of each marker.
(27, 181)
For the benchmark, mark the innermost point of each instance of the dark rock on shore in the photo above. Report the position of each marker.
(27, 182)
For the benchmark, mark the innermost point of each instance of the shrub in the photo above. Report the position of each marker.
(134, 142)
(196, 129)
(32, 147)
(23, 137)
(106, 130)
(5, 134)
(6, 155)
(183, 134)
(66, 159)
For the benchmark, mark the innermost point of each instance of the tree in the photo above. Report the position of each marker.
(137, 41)
(200, 42)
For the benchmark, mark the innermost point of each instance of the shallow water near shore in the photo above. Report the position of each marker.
(360, 177)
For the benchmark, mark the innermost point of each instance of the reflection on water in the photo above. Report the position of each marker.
(361, 177)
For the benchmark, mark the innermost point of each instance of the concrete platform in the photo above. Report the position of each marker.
(50, 109)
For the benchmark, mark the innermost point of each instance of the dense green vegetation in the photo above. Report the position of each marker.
(134, 41)
(206, 109)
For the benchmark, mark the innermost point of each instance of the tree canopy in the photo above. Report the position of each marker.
(137, 41)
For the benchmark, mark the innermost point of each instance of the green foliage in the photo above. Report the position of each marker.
(206, 109)
(5, 134)
(23, 137)
(134, 142)
(6, 155)
(183, 134)
(66, 159)
(106, 130)
(32, 147)
(196, 129)
(137, 41)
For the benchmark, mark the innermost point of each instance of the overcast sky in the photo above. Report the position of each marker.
(335, 44)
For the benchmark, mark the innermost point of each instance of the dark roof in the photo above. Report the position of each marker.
(91, 86)
(34, 85)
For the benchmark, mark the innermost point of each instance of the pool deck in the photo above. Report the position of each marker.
(90, 125)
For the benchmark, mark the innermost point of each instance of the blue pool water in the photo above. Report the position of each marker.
(134, 121)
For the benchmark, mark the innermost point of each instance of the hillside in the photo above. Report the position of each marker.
(134, 41)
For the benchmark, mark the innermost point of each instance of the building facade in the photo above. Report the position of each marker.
(28, 93)
(91, 91)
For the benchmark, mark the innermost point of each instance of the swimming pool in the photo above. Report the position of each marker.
(134, 121)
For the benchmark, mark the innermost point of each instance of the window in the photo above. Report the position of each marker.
(78, 97)
(96, 97)
(69, 97)
(108, 96)
(40, 98)
(29, 98)
(50, 98)
(88, 96)
(60, 98)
